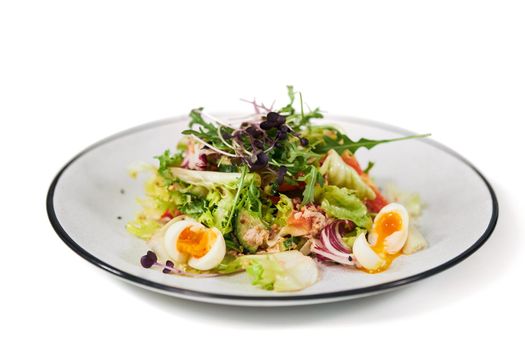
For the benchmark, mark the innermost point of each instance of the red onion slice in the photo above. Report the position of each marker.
(331, 247)
(331, 257)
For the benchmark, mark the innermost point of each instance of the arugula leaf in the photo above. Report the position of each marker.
(298, 120)
(369, 167)
(237, 195)
(288, 109)
(197, 119)
(207, 132)
(311, 179)
(341, 142)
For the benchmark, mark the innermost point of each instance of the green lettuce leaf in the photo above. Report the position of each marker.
(210, 179)
(230, 264)
(342, 203)
(341, 174)
(212, 197)
(143, 227)
(349, 238)
(284, 209)
(411, 201)
(284, 271)
(264, 272)
(156, 202)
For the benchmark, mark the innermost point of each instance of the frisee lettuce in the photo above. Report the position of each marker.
(157, 201)
(166, 162)
(284, 208)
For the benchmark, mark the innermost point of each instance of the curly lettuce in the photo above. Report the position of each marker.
(154, 205)
(284, 209)
(212, 197)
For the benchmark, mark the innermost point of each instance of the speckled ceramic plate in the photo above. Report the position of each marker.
(94, 190)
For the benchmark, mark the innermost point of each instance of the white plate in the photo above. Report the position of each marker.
(85, 201)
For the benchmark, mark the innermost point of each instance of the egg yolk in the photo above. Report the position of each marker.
(196, 242)
(385, 225)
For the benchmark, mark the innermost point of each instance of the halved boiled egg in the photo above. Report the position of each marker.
(188, 241)
(386, 239)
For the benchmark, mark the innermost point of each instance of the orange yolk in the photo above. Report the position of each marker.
(196, 242)
(387, 224)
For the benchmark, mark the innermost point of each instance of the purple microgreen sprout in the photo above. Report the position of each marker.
(150, 259)
(280, 174)
(169, 266)
(253, 140)
(258, 106)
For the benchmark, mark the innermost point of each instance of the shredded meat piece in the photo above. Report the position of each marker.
(318, 218)
(308, 221)
(274, 249)
(314, 218)
(256, 236)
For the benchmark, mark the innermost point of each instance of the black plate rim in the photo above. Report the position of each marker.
(192, 294)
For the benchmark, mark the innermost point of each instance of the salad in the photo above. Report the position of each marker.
(276, 195)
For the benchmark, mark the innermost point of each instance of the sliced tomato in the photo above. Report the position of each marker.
(375, 205)
(275, 199)
(351, 160)
(167, 214)
(170, 214)
(285, 187)
(301, 222)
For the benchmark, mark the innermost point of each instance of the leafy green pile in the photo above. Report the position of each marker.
(252, 171)
(283, 146)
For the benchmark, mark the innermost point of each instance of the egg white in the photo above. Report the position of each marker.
(365, 255)
(172, 236)
(396, 240)
(211, 259)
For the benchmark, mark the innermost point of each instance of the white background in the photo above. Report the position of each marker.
(74, 72)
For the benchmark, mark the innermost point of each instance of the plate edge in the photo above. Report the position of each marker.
(61, 232)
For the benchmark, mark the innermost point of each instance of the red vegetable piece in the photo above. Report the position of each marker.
(380, 201)
(376, 204)
(285, 187)
(351, 160)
